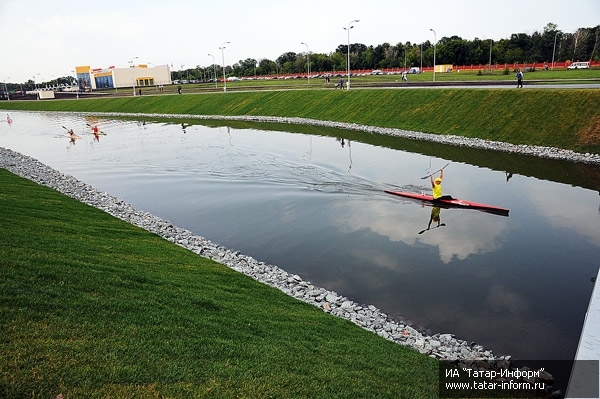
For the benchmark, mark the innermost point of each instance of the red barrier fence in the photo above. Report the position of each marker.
(486, 67)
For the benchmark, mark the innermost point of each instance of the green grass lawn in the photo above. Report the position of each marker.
(93, 307)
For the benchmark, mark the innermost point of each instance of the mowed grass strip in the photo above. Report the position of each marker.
(562, 118)
(93, 307)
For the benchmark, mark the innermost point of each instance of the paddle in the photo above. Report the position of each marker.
(435, 227)
(71, 133)
(440, 169)
(100, 131)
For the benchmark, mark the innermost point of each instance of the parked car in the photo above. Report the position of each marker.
(579, 65)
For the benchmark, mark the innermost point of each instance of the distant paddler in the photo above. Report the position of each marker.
(72, 134)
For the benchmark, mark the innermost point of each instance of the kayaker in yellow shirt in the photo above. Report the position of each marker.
(436, 187)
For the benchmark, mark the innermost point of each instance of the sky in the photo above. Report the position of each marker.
(43, 40)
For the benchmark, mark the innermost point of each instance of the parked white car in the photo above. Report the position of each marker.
(579, 65)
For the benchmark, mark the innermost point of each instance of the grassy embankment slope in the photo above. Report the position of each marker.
(563, 118)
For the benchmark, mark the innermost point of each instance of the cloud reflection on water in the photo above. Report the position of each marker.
(466, 232)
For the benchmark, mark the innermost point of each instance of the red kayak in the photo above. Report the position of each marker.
(452, 203)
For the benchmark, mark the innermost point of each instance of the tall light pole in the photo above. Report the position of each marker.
(350, 26)
(554, 49)
(434, 43)
(6, 90)
(308, 58)
(35, 87)
(76, 81)
(132, 78)
(222, 48)
(491, 42)
(215, 68)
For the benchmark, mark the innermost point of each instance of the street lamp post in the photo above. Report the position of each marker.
(132, 78)
(434, 43)
(350, 26)
(554, 49)
(215, 69)
(308, 58)
(222, 48)
(35, 87)
(491, 42)
(76, 81)
(6, 90)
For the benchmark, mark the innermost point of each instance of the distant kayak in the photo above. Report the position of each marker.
(452, 203)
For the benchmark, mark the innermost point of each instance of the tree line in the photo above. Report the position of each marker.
(538, 47)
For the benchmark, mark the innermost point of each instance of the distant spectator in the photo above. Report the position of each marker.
(519, 78)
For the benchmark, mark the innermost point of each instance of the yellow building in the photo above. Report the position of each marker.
(111, 77)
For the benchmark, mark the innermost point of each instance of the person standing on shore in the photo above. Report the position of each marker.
(519, 78)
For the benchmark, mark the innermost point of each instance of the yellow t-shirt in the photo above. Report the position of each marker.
(437, 190)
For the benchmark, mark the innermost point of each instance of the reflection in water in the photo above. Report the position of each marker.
(517, 285)
(435, 217)
(349, 156)
(343, 144)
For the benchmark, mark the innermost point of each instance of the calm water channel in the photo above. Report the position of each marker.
(313, 204)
